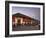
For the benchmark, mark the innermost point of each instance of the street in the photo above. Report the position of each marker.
(25, 27)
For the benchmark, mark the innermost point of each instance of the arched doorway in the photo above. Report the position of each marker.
(18, 21)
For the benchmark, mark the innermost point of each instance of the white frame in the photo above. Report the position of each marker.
(25, 32)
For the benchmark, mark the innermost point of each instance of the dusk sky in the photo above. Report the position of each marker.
(28, 11)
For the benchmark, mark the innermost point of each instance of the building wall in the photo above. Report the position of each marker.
(24, 21)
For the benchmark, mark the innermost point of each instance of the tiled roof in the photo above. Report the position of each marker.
(22, 15)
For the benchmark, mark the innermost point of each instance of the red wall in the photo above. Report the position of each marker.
(13, 18)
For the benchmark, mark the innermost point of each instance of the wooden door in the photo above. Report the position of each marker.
(19, 21)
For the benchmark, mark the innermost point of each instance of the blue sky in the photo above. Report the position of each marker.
(29, 11)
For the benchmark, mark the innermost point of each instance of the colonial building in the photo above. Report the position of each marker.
(24, 20)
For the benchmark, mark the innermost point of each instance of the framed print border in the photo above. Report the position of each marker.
(7, 18)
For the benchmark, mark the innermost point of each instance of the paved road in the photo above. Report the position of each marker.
(25, 27)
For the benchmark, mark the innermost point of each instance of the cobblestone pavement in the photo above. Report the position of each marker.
(25, 27)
